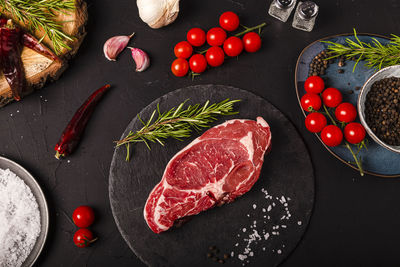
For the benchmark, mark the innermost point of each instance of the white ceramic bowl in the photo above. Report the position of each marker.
(392, 71)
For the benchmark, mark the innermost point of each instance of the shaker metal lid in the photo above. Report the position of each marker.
(308, 10)
(284, 3)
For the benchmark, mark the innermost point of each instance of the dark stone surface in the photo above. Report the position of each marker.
(287, 171)
(355, 219)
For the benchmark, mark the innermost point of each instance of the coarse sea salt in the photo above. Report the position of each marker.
(19, 219)
(261, 231)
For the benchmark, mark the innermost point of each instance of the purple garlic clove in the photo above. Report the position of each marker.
(141, 59)
(115, 45)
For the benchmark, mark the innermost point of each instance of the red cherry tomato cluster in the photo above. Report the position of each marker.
(220, 43)
(345, 113)
(83, 217)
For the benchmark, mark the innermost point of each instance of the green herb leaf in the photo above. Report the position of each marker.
(41, 15)
(177, 122)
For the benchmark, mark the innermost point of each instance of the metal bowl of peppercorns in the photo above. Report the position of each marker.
(379, 107)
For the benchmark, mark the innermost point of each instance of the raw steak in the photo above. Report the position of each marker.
(214, 169)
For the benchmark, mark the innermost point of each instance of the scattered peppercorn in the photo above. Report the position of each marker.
(226, 256)
(357, 88)
(209, 255)
(340, 71)
(382, 110)
(319, 64)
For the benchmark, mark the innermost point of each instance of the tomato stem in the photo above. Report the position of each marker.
(357, 160)
(251, 29)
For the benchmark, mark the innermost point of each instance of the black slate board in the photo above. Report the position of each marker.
(287, 171)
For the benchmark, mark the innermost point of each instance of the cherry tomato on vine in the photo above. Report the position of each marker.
(229, 21)
(216, 36)
(183, 49)
(346, 112)
(314, 84)
(310, 101)
(196, 37)
(83, 216)
(354, 133)
(83, 238)
(332, 97)
(331, 135)
(315, 122)
(215, 56)
(233, 46)
(198, 63)
(180, 67)
(251, 42)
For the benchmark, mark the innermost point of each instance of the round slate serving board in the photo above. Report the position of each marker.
(287, 171)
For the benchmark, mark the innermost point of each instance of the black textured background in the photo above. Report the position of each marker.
(355, 219)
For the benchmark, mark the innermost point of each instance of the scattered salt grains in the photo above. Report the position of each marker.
(19, 219)
(260, 232)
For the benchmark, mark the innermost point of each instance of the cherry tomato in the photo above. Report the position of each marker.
(198, 63)
(314, 84)
(311, 101)
(180, 67)
(251, 42)
(346, 112)
(229, 21)
(332, 97)
(83, 238)
(331, 135)
(354, 132)
(83, 216)
(183, 49)
(233, 46)
(315, 122)
(215, 56)
(216, 36)
(196, 37)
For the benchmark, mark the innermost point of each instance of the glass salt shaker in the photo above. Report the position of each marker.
(305, 15)
(281, 9)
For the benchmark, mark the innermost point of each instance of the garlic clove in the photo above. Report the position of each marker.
(141, 59)
(115, 45)
(158, 13)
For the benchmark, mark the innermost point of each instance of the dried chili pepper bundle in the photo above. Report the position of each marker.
(73, 132)
(10, 57)
(12, 39)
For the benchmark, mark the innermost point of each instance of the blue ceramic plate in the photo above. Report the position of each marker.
(376, 160)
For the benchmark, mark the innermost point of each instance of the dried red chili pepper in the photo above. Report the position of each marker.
(10, 58)
(32, 43)
(73, 132)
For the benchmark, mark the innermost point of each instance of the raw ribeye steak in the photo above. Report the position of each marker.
(214, 169)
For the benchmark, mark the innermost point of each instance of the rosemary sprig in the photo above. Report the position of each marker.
(41, 15)
(177, 123)
(375, 54)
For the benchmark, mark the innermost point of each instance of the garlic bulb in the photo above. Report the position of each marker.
(158, 13)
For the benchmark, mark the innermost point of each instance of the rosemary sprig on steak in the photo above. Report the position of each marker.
(177, 123)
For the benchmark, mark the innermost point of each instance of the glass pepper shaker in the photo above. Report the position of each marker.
(305, 15)
(281, 9)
